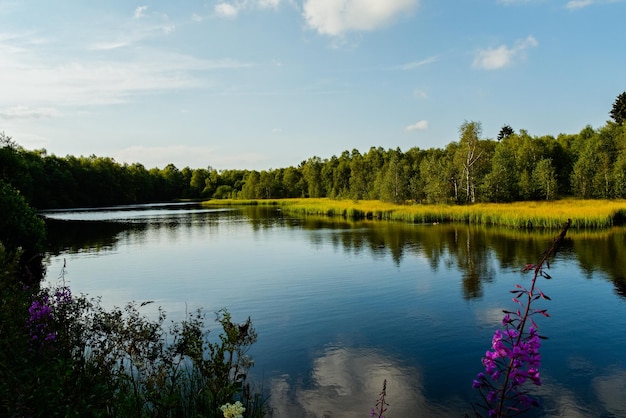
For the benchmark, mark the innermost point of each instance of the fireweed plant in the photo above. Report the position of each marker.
(514, 357)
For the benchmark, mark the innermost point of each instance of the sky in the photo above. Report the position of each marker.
(267, 84)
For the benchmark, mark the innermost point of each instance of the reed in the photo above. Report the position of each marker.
(585, 214)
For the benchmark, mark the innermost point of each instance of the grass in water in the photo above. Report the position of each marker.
(585, 214)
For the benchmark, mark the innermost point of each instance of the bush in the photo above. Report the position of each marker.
(21, 230)
(64, 355)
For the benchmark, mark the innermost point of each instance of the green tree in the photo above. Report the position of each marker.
(251, 187)
(394, 178)
(359, 176)
(197, 183)
(501, 184)
(268, 184)
(312, 173)
(341, 176)
(293, 182)
(583, 173)
(618, 112)
(22, 232)
(471, 159)
(437, 172)
(505, 132)
(544, 178)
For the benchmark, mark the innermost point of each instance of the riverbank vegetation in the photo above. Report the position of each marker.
(585, 214)
(64, 355)
(473, 168)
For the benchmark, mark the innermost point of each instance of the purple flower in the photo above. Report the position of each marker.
(514, 357)
(42, 315)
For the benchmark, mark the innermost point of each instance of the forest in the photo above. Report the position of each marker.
(516, 166)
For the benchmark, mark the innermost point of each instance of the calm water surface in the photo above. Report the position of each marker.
(341, 306)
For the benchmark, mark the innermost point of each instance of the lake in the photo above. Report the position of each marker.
(340, 306)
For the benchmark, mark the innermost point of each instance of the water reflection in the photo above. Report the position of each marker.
(340, 306)
(470, 249)
(345, 382)
(611, 391)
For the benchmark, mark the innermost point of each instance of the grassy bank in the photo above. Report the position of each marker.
(552, 214)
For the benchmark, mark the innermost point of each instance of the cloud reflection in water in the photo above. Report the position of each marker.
(346, 382)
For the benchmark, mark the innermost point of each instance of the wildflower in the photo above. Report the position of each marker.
(63, 295)
(39, 319)
(42, 314)
(514, 357)
(235, 410)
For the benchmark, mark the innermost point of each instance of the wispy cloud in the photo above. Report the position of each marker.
(503, 56)
(127, 32)
(419, 93)
(25, 112)
(414, 64)
(140, 12)
(231, 8)
(578, 4)
(418, 126)
(31, 83)
(334, 18)
(510, 2)
(186, 156)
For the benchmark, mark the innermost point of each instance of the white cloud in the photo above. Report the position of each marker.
(140, 12)
(25, 112)
(269, 3)
(231, 9)
(30, 81)
(418, 126)
(334, 17)
(578, 4)
(415, 64)
(108, 45)
(168, 28)
(196, 17)
(502, 56)
(226, 10)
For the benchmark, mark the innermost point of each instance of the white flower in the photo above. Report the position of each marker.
(233, 411)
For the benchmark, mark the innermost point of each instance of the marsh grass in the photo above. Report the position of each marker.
(585, 214)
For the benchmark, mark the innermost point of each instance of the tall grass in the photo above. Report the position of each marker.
(585, 214)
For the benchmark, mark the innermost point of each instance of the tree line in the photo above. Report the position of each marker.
(516, 166)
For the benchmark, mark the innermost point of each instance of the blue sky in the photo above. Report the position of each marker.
(260, 84)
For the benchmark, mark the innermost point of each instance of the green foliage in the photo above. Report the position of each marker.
(544, 178)
(70, 357)
(19, 224)
(505, 132)
(23, 232)
(473, 169)
(618, 112)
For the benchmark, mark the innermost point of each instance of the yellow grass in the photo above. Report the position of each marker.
(583, 213)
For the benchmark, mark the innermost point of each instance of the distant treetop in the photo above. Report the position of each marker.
(618, 113)
(505, 132)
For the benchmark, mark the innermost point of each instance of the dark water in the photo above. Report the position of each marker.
(341, 306)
